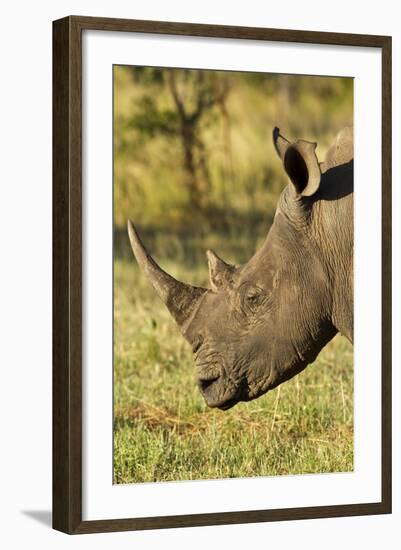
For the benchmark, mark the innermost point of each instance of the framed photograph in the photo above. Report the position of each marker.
(222, 296)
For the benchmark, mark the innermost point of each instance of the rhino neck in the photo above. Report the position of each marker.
(331, 225)
(291, 262)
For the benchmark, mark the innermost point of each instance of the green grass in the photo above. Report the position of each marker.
(164, 431)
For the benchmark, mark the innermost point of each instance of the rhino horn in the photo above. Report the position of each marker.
(182, 300)
(220, 273)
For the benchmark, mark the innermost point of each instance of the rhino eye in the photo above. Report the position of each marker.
(254, 297)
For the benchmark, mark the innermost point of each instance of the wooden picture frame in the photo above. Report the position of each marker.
(67, 273)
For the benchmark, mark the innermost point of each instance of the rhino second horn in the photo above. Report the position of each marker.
(182, 300)
(220, 273)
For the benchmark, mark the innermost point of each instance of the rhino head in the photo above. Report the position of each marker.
(262, 323)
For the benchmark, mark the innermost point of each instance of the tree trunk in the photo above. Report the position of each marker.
(191, 180)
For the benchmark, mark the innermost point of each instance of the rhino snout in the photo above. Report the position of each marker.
(216, 388)
(208, 377)
(206, 381)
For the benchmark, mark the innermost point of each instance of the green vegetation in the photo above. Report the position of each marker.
(210, 178)
(165, 431)
(217, 169)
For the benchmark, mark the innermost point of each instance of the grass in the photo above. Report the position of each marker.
(164, 431)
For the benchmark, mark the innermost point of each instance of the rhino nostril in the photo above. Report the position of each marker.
(207, 377)
(205, 383)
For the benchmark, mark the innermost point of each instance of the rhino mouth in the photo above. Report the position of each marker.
(229, 404)
(216, 388)
(210, 384)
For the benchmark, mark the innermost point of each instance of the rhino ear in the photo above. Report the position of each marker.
(220, 273)
(300, 162)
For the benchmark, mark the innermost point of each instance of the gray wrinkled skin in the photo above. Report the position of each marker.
(262, 323)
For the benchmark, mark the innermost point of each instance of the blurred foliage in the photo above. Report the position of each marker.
(193, 149)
